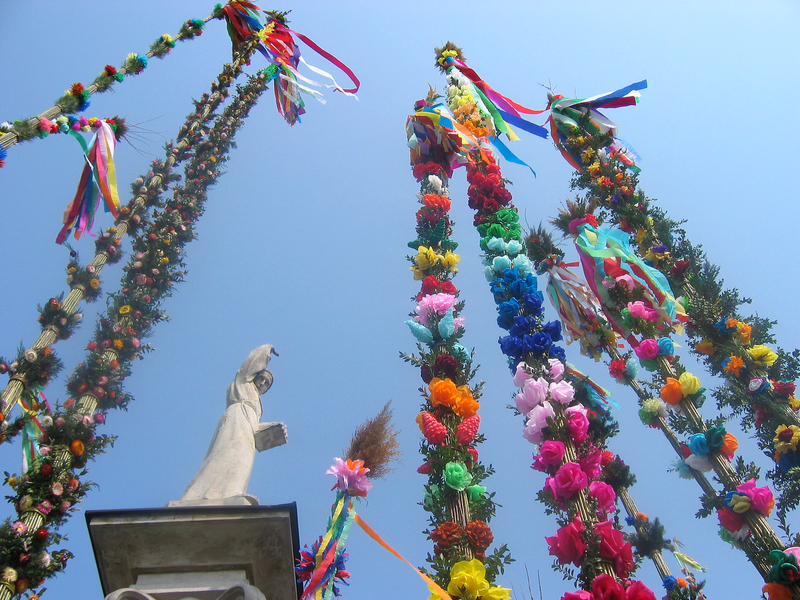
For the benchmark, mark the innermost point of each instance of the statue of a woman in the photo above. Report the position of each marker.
(226, 468)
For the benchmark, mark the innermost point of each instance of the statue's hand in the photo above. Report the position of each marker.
(270, 435)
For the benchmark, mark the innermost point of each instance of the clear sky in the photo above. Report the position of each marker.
(303, 243)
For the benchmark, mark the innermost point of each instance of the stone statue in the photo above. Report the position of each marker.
(225, 472)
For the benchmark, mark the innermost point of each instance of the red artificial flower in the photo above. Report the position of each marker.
(784, 388)
(639, 591)
(110, 70)
(569, 480)
(479, 535)
(730, 520)
(614, 548)
(680, 267)
(617, 368)
(605, 587)
(46, 469)
(473, 452)
(445, 366)
(447, 534)
(424, 468)
(468, 429)
(41, 534)
(685, 451)
(76, 89)
(567, 544)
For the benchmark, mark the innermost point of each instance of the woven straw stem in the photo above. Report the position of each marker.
(13, 391)
(579, 505)
(630, 508)
(458, 512)
(9, 139)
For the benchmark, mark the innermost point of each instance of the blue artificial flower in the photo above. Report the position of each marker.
(496, 245)
(553, 329)
(460, 352)
(509, 309)
(504, 322)
(518, 288)
(521, 326)
(447, 325)
(524, 264)
(538, 343)
(531, 281)
(514, 247)
(630, 521)
(666, 347)
(501, 263)
(789, 460)
(498, 288)
(532, 301)
(558, 352)
(669, 582)
(698, 444)
(511, 345)
(631, 368)
(510, 275)
(722, 327)
(683, 470)
(422, 333)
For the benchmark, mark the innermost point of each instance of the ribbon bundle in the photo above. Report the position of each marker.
(98, 179)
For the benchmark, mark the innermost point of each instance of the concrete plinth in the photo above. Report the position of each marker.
(197, 552)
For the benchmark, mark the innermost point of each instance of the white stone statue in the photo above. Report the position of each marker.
(225, 472)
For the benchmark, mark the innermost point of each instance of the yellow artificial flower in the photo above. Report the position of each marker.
(739, 503)
(12, 481)
(587, 155)
(743, 332)
(419, 274)
(786, 438)
(640, 235)
(794, 403)
(762, 355)
(450, 260)
(594, 168)
(690, 384)
(94, 284)
(118, 344)
(426, 258)
(468, 580)
(497, 593)
(705, 347)
(71, 270)
(164, 260)
(125, 309)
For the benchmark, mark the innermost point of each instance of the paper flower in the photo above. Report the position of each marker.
(537, 421)
(567, 544)
(457, 476)
(577, 423)
(648, 349)
(705, 347)
(786, 438)
(690, 384)
(784, 569)
(614, 548)
(605, 496)
(762, 500)
(479, 535)
(468, 580)
(550, 455)
(351, 476)
(640, 310)
(447, 534)
(762, 355)
(672, 392)
(434, 304)
(521, 375)
(733, 365)
(777, 591)
(607, 587)
(467, 429)
(569, 480)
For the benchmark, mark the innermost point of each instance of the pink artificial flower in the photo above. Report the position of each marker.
(550, 455)
(639, 591)
(641, 310)
(351, 476)
(614, 548)
(578, 423)
(606, 587)
(569, 480)
(556, 369)
(567, 544)
(562, 392)
(537, 420)
(56, 489)
(534, 392)
(591, 464)
(579, 595)
(65, 506)
(761, 498)
(521, 375)
(19, 527)
(647, 349)
(44, 450)
(135, 342)
(44, 507)
(438, 304)
(605, 496)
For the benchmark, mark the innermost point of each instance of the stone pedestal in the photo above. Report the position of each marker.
(197, 552)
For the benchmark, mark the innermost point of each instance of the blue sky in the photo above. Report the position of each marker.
(303, 242)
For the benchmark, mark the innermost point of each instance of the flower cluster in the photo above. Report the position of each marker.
(468, 581)
(746, 497)
(448, 420)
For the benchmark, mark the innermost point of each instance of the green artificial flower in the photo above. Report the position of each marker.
(431, 497)
(507, 215)
(645, 416)
(496, 230)
(715, 437)
(457, 476)
(475, 493)
(785, 570)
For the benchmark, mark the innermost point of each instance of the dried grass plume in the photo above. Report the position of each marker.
(375, 442)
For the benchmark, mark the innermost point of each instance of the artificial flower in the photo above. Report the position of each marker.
(457, 476)
(605, 496)
(479, 535)
(562, 392)
(521, 375)
(743, 332)
(639, 591)
(569, 480)
(762, 355)
(690, 384)
(786, 438)
(550, 455)
(590, 463)
(777, 591)
(784, 568)
(672, 392)
(351, 476)
(762, 499)
(434, 305)
(729, 445)
(537, 421)
(705, 347)
(577, 423)
(738, 503)
(733, 365)
(468, 580)
(648, 349)
(614, 548)
(568, 545)
(640, 310)
(447, 534)
(666, 347)
(606, 587)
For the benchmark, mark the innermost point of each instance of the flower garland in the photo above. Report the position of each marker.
(760, 380)
(68, 440)
(77, 98)
(460, 507)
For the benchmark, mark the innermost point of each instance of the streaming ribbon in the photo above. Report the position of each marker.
(331, 549)
(99, 178)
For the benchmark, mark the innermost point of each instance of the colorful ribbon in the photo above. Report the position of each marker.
(320, 584)
(31, 430)
(98, 178)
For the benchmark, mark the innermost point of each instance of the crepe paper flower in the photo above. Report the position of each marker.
(450, 260)
(738, 503)
(639, 591)
(562, 392)
(19, 528)
(351, 476)
(9, 575)
(654, 407)
(614, 548)
(446, 365)
(762, 499)
(537, 421)
(569, 480)
(521, 375)
(497, 593)
(457, 476)
(672, 392)
(435, 304)
(468, 580)
(447, 325)
(617, 368)
(715, 437)
(426, 258)
(567, 544)
(436, 201)
(550, 455)
(777, 591)
(762, 355)
(605, 496)
(733, 365)
(422, 333)
(784, 568)
(729, 445)
(690, 384)
(784, 388)
(77, 447)
(706, 346)
(647, 349)
(683, 470)
(467, 429)
(698, 444)
(577, 423)
(699, 462)
(435, 433)
(579, 595)
(786, 438)
(476, 492)
(640, 310)
(758, 385)
(591, 463)
(669, 582)
(725, 326)
(479, 535)
(447, 534)
(459, 399)
(606, 587)
(556, 368)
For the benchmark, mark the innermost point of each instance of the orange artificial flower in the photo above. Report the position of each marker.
(465, 406)
(681, 582)
(729, 445)
(743, 332)
(118, 344)
(705, 347)
(777, 591)
(733, 365)
(443, 391)
(672, 392)
(77, 448)
(436, 201)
